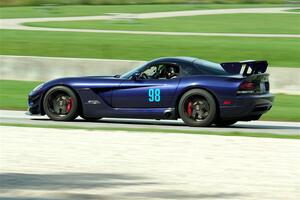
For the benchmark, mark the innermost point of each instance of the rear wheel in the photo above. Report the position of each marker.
(197, 107)
(225, 123)
(60, 104)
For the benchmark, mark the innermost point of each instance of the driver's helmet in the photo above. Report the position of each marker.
(170, 72)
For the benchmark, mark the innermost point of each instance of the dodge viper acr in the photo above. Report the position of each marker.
(199, 92)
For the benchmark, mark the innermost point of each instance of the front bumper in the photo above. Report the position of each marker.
(247, 107)
(34, 104)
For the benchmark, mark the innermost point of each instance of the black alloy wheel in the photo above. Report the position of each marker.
(197, 107)
(60, 104)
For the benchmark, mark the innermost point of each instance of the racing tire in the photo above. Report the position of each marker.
(198, 108)
(225, 123)
(60, 103)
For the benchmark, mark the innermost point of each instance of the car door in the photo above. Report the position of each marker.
(145, 93)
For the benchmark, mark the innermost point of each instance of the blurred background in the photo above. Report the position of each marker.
(45, 39)
(122, 2)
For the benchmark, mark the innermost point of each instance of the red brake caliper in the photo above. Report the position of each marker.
(69, 105)
(189, 109)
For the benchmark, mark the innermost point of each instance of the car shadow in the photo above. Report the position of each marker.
(123, 121)
(256, 126)
(66, 181)
(75, 186)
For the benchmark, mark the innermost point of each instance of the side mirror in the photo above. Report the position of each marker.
(117, 76)
(136, 76)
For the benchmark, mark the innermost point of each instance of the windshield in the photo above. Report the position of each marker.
(140, 68)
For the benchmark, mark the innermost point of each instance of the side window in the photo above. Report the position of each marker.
(162, 71)
(169, 71)
(151, 71)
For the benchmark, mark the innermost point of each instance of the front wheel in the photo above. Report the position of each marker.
(197, 107)
(60, 104)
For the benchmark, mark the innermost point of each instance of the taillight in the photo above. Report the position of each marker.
(246, 88)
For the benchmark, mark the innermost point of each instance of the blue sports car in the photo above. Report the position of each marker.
(199, 92)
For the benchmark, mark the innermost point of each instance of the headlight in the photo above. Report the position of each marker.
(37, 87)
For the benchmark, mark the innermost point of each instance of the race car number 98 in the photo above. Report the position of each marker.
(154, 95)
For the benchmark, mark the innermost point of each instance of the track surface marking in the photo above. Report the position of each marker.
(16, 24)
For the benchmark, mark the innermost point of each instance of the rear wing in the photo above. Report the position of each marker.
(246, 68)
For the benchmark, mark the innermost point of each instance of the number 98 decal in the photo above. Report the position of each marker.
(154, 95)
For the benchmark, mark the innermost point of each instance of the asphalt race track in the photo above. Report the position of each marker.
(290, 128)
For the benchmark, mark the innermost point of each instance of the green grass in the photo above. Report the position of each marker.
(285, 107)
(13, 95)
(227, 23)
(88, 10)
(281, 52)
(158, 130)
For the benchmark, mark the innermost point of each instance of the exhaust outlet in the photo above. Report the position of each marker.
(168, 113)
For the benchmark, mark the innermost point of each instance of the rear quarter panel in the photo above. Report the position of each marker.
(221, 87)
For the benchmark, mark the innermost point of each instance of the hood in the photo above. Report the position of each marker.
(85, 81)
(82, 78)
